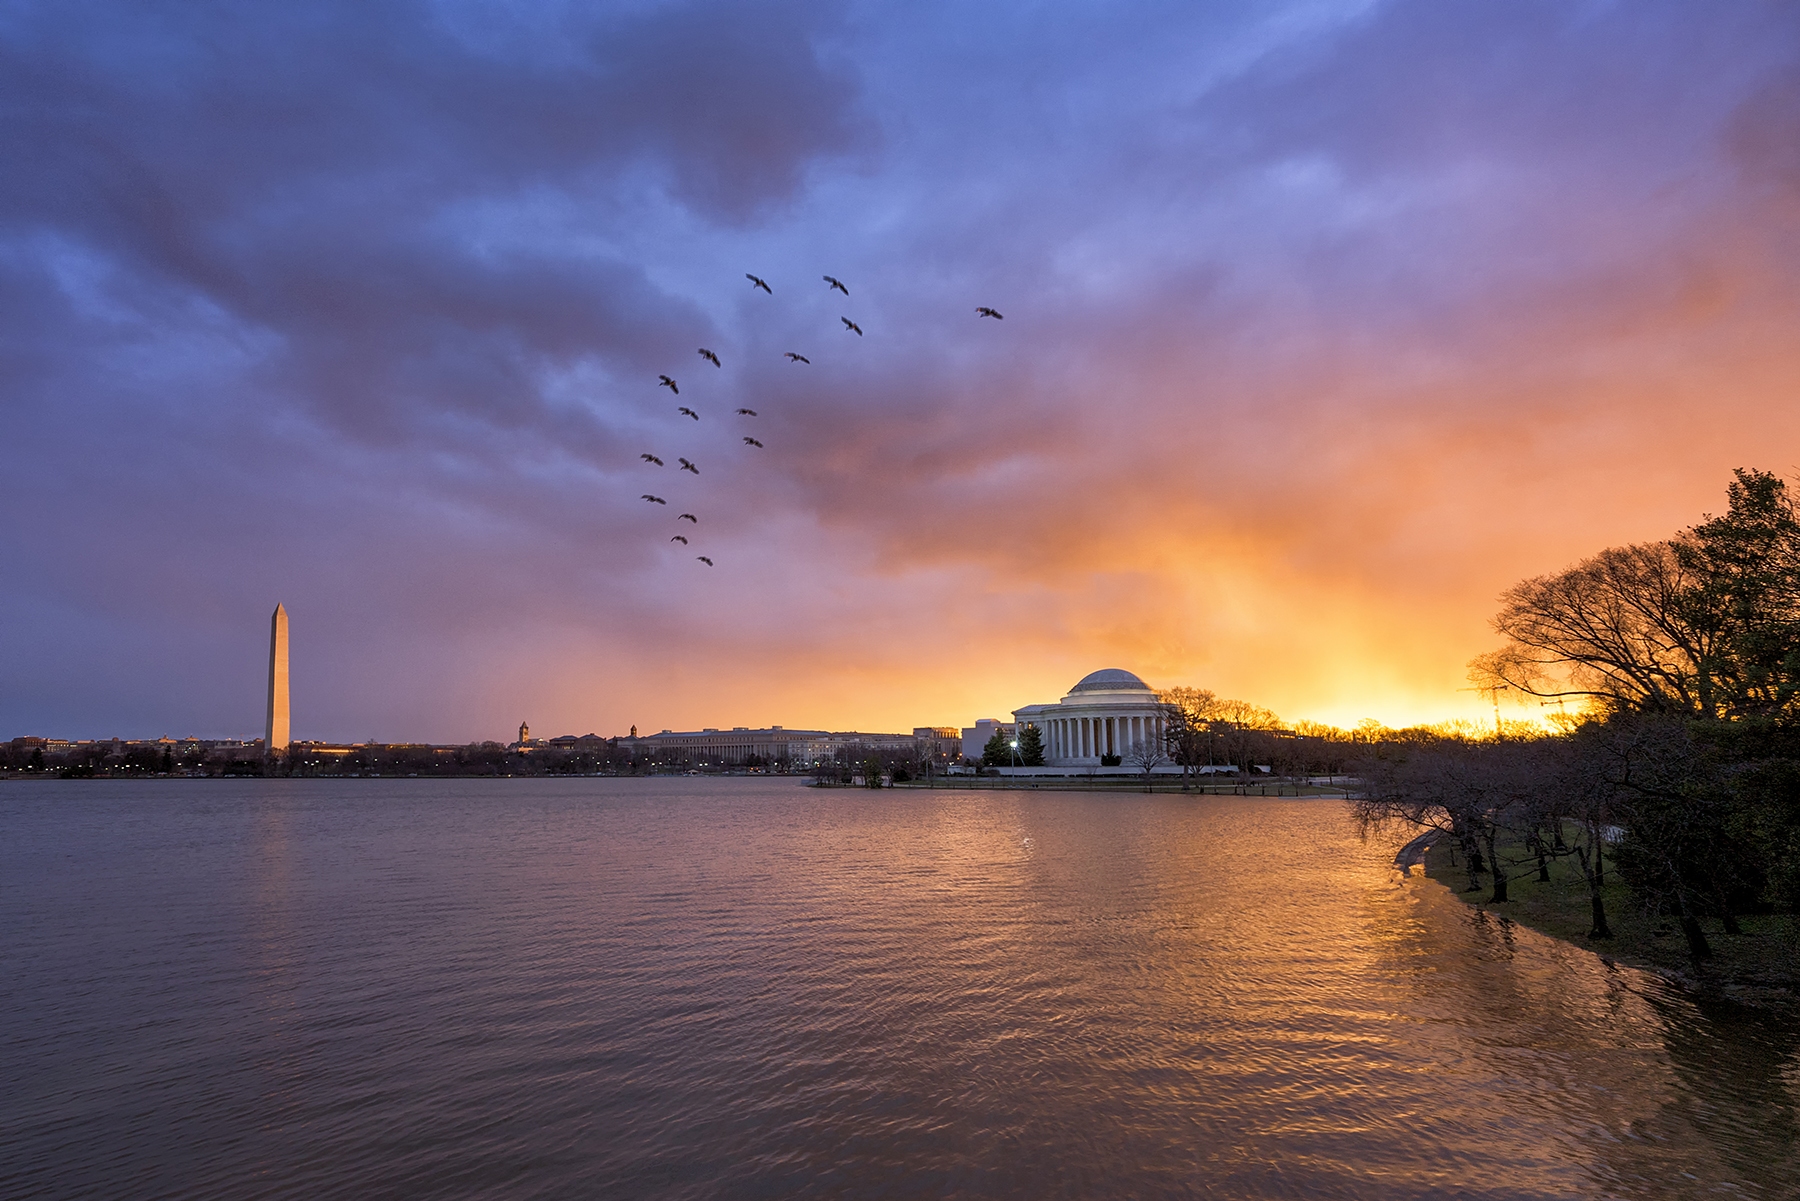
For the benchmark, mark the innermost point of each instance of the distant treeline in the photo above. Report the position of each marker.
(598, 756)
(103, 759)
(1681, 769)
(590, 756)
(28, 756)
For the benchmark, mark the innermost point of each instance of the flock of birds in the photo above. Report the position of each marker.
(666, 381)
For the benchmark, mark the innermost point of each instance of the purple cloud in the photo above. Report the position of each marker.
(361, 307)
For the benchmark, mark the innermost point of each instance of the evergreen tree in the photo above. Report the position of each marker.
(1031, 746)
(998, 752)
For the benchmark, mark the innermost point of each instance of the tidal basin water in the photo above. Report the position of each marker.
(686, 988)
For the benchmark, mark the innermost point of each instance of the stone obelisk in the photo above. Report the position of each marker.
(275, 734)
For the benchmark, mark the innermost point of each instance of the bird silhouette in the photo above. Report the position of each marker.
(837, 283)
(689, 412)
(688, 517)
(669, 384)
(798, 358)
(752, 442)
(852, 326)
(655, 500)
(757, 282)
(710, 357)
(651, 459)
(687, 466)
(984, 311)
(746, 412)
(704, 560)
(681, 538)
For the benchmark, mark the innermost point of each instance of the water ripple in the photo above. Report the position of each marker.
(696, 989)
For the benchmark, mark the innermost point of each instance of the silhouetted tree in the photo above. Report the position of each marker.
(1705, 625)
(1188, 717)
(1031, 746)
(999, 750)
(1241, 729)
(1689, 650)
(1477, 793)
(1146, 755)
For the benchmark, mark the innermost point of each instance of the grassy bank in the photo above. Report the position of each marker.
(1764, 959)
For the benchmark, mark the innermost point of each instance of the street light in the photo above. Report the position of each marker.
(1015, 751)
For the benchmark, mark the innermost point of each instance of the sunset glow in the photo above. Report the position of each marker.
(1323, 324)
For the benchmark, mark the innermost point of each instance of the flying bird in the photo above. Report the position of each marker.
(798, 358)
(688, 517)
(851, 326)
(746, 412)
(752, 442)
(689, 412)
(669, 384)
(984, 311)
(837, 283)
(704, 560)
(651, 459)
(681, 538)
(655, 500)
(687, 466)
(757, 282)
(710, 357)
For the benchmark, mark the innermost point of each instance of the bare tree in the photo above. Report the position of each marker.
(1477, 793)
(1146, 755)
(1241, 730)
(1706, 624)
(1614, 629)
(1662, 787)
(1585, 795)
(1326, 747)
(1287, 758)
(1188, 714)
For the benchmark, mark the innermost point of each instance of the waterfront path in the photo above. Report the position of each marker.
(1414, 852)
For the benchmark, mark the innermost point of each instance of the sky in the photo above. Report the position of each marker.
(1323, 323)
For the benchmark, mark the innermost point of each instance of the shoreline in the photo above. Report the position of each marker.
(1162, 786)
(1745, 968)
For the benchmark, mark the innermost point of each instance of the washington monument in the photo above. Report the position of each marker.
(275, 734)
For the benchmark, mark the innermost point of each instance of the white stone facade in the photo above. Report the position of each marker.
(1107, 713)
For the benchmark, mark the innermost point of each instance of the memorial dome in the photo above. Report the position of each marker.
(1110, 679)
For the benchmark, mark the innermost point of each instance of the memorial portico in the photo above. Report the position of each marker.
(1107, 713)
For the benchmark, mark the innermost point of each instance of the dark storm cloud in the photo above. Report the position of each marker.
(237, 243)
(156, 123)
(317, 172)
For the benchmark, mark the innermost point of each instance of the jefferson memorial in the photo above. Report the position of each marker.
(1106, 713)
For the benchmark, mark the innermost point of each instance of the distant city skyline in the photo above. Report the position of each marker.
(1323, 324)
